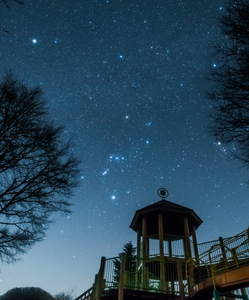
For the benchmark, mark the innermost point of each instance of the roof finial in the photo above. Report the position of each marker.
(163, 193)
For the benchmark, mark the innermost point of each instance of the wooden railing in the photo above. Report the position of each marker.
(172, 275)
(86, 295)
(224, 256)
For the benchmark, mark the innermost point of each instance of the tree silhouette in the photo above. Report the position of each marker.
(37, 170)
(18, 1)
(27, 293)
(130, 265)
(230, 94)
(64, 296)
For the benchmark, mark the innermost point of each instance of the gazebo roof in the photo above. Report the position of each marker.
(173, 218)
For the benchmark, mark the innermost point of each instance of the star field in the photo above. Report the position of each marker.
(127, 79)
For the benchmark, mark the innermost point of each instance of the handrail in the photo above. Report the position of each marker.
(217, 262)
(85, 295)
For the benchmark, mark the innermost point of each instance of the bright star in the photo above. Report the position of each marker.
(113, 197)
(34, 41)
(105, 172)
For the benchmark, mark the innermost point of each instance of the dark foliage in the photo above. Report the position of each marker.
(230, 95)
(130, 265)
(64, 296)
(37, 170)
(27, 293)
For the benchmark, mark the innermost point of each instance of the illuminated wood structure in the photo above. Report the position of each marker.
(170, 264)
(166, 223)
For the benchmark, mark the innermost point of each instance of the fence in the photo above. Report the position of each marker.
(223, 255)
(145, 274)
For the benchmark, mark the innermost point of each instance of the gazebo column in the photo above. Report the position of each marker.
(138, 255)
(145, 253)
(188, 255)
(187, 239)
(195, 244)
(138, 243)
(145, 239)
(161, 249)
(197, 261)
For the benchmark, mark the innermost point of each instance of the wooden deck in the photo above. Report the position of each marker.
(228, 281)
(138, 295)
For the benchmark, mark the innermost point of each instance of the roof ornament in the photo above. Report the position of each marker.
(163, 193)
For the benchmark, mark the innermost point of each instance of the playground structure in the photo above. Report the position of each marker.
(170, 264)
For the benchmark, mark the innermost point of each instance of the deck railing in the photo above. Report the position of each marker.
(174, 274)
(86, 295)
(223, 256)
(140, 274)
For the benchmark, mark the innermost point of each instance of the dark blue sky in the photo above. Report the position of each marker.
(127, 79)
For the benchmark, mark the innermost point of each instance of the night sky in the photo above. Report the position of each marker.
(127, 78)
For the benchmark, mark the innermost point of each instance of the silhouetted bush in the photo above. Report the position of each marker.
(27, 293)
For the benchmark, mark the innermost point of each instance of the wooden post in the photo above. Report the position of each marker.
(127, 281)
(145, 251)
(101, 272)
(94, 292)
(138, 258)
(161, 249)
(138, 243)
(234, 256)
(100, 278)
(145, 238)
(160, 231)
(188, 255)
(244, 294)
(195, 244)
(180, 280)
(196, 253)
(187, 241)
(122, 277)
(146, 278)
(223, 249)
(170, 248)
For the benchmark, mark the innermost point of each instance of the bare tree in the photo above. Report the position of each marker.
(65, 295)
(7, 5)
(5, 2)
(230, 95)
(37, 170)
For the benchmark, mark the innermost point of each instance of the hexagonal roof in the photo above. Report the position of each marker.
(173, 218)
